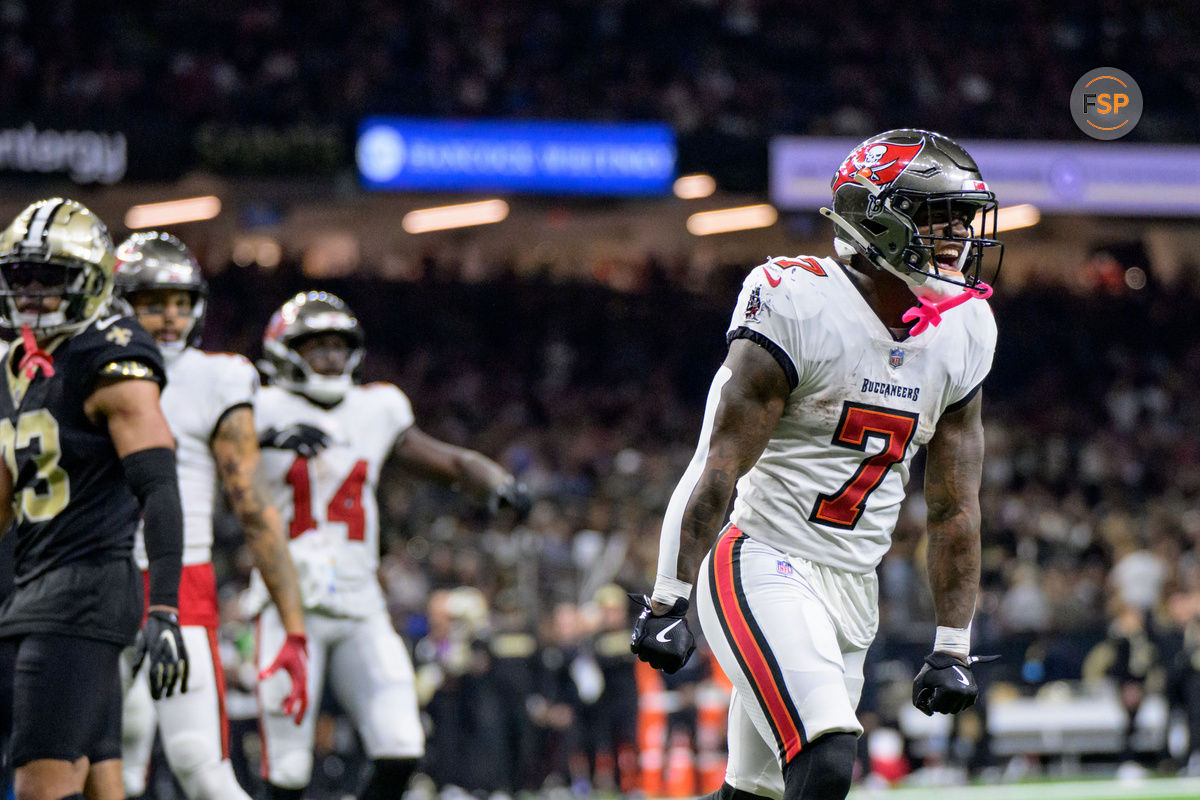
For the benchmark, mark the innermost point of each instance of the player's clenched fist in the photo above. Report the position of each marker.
(662, 640)
(946, 684)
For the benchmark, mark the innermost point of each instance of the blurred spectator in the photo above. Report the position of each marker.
(1130, 659)
(721, 68)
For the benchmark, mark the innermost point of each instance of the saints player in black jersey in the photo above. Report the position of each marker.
(85, 451)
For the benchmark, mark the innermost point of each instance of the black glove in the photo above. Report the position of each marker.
(512, 495)
(307, 440)
(161, 638)
(945, 683)
(662, 641)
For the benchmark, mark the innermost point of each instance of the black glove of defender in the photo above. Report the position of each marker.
(512, 495)
(662, 641)
(945, 683)
(161, 638)
(307, 440)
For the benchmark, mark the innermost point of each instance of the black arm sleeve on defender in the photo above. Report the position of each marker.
(152, 476)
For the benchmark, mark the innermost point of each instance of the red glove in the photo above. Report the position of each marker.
(292, 657)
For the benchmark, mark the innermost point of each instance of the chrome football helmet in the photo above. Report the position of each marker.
(897, 182)
(308, 314)
(156, 260)
(54, 248)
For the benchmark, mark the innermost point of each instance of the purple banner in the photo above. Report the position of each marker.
(1063, 177)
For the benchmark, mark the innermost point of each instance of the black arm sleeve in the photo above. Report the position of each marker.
(152, 476)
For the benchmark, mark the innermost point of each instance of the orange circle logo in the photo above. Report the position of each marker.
(1106, 103)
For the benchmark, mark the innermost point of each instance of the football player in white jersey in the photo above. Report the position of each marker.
(824, 397)
(209, 405)
(324, 441)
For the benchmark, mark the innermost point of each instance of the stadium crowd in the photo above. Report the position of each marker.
(1090, 528)
(740, 67)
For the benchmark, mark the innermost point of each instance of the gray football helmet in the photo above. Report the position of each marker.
(307, 314)
(896, 182)
(158, 260)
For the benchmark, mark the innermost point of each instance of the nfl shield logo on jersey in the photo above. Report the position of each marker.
(897, 357)
(783, 568)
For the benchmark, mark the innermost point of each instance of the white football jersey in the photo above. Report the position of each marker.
(201, 387)
(328, 502)
(829, 484)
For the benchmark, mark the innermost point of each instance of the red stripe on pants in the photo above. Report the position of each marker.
(749, 647)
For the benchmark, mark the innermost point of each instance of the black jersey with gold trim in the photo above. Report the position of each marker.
(72, 505)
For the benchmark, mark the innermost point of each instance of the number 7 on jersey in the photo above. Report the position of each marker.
(861, 422)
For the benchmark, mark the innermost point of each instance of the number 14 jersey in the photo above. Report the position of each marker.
(327, 502)
(829, 485)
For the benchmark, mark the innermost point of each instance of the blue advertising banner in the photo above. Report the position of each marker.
(1064, 177)
(535, 157)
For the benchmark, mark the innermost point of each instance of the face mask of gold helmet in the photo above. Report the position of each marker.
(56, 269)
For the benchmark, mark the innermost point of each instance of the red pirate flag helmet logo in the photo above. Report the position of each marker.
(879, 162)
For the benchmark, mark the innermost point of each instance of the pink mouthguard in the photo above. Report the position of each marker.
(929, 312)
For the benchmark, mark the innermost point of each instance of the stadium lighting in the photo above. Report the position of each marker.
(694, 187)
(1012, 217)
(725, 220)
(172, 212)
(484, 212)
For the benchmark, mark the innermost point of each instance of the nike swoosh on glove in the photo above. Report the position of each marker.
(161, 640)
(946, 684)
(662, 641)
(293, 659)
(307, 440)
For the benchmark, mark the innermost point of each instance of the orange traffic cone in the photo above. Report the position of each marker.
(652, 728)
(712, 711)
(681, 766)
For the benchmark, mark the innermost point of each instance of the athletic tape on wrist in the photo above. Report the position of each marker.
(953, 640)
(667, 589)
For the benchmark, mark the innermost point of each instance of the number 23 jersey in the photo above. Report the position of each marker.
(829, 485)
(74, 513)
(327, 502)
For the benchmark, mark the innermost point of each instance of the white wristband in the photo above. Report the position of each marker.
(953, 640)
(667, 590)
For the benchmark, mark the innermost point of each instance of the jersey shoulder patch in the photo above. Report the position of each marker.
(127, 369)
(794, 287)
(115, 339)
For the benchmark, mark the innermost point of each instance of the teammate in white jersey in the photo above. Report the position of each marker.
(209, 405)
(826, 394)
(324, 441)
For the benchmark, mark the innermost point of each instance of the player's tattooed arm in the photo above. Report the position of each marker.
(751, 403)
(435, 460)
(235, 449)
(953, 473)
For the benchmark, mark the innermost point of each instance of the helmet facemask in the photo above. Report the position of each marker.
(945, 213)
(69, 282)
(306, 315)
(293, 372)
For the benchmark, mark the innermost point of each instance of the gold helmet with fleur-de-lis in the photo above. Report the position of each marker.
(55, 248)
